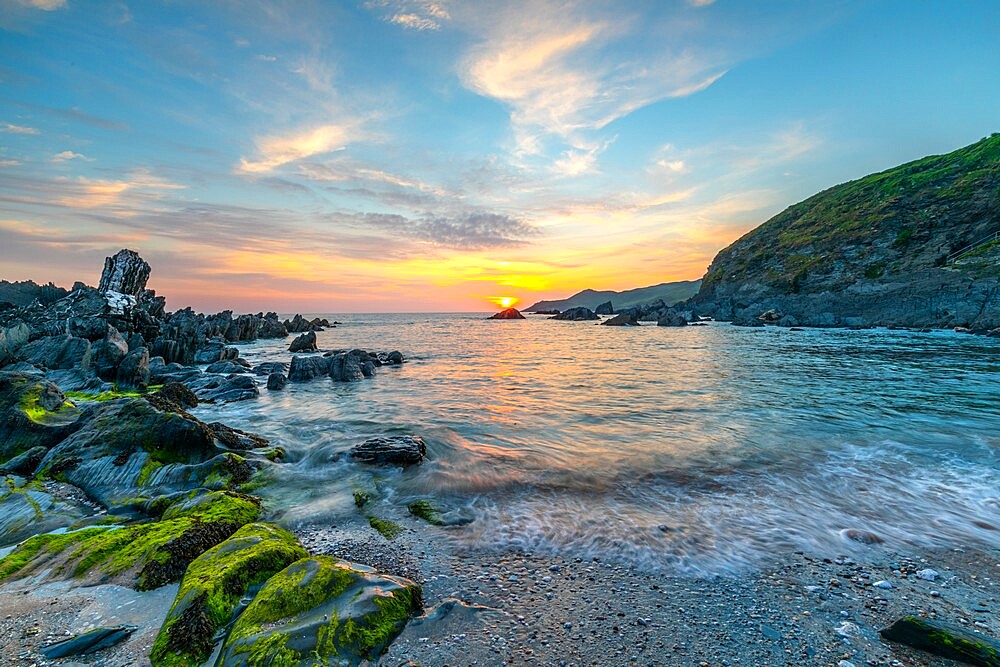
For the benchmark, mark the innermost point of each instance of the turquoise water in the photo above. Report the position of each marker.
(700, 449)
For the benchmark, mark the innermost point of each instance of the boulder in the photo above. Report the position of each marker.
(578, 314)
(29, 508)
(622, 320)
(945, 639)
(320, 610)
(125, 273)
(394, 357)
(212, 588)
(304, 343)
(224, 389)
(390, 449)
(107, 353)
(12, 339)
(671, 318)
(507, 314)
(33, 413)
(133, 371)
(276, 381)
(215, 350)
(177, 394)
(307, 368)
(135, 341)
(58, 352)
(350, 366)
(91, 641)
(91, 328)
(605, 308)
(271, 327)
(269, 367)
(227, 367)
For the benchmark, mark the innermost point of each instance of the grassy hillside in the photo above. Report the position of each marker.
(671, 293)
(879, 228)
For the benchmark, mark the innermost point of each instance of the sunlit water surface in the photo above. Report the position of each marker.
(699, 449)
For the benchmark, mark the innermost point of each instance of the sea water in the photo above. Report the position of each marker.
(703, 449)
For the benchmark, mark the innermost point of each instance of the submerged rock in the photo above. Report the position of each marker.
(622, 320)
(213, 586)
(945, 639)
(321, 610)
(507, 314)
(391, 449)
(578, 314)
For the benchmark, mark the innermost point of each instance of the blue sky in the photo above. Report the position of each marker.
(397, 155)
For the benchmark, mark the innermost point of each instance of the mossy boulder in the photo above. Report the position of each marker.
(141, 555)
(212, 589)
(321, 611)
(33, 413)
(945, 639)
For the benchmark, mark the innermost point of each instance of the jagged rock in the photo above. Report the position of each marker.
(270, 367)
(135, 341)
(219, 389)
(622, 320)
(671, 318)
(160, 373)
(178, 394)
(226, 367)
(507, 314)
(54, 352)
(92, 641)
(234, 438)
(581, 313)
(771, 316)
(271, 327)
(133, 371)
(125, 273)
(350, 366)
(605, 308)
(946, 640)
(213, 586)
(25, 463)
(107, 353)
(304, 343)
(12, 339)
(298, 324)
(307, 368)
(91, 328)
(390, 449)
(276, 381)
(215, 350)
(321, 610)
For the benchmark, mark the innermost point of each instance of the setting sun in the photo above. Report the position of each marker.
(504, 301)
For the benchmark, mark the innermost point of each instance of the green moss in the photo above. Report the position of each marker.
(904, 236)
(157, 548)
(147, 469)
(275, 454)
(423, 509)
(389, 529)
(114, 394)
(213, 586)
(31, 405)
(875, 271)
(372, 636)
(361, 498)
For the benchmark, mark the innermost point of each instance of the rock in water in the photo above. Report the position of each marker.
(307, 368)
(946, 640)
(88, 642)
(508, 314)
(350, 366)
(304, 343)
(391, 449)
(276, 381)
(320, 610)
(622, 320)
(671, 318)
(124, 273)
(605, 308)
(578, 314)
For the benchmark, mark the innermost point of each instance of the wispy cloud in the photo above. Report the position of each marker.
(18, 129)
(9, 163)
(70, 155)
(44, 5)
(473, 230)
(100, 193)
(274, 151)
(412, 14)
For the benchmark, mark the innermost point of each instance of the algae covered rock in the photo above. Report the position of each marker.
(321, 611)
(945, 639)
(33, 413)
(142, 555)
(213, 586)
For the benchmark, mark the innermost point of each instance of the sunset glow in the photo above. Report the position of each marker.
(401, 155)
(505, 301)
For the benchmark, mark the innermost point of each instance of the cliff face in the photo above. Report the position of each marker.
(886, 249)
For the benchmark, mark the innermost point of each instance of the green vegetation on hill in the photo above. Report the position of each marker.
(670, 293)
(880, 227)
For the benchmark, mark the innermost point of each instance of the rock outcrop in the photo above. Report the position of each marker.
(125, 272)
(622, 320)
(304, 343)
(578, 314)
(507, 314)
(606, 308)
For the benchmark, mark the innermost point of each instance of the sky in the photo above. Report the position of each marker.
(436, 155)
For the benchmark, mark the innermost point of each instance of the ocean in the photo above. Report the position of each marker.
(703, 450)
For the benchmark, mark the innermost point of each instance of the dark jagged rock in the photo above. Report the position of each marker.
(307, 368)
(224, 389)
(270, 367)
(351, 366)
(578, 314)
(215, 350)
(299, 324)
(24, 293)
(234, 438)
(276, 381)
(507, 314)
(321, 610)
(12, 339)
(125, 273)
(226, 367)
(945, 639)
(605, 308)
(135, 341)
(621, 320)
(133, 371)
(25, 463)
(107, 353)
(54, 352)
(178, 395)
(391, 449)
(671, 318)
(89, 642)
(160, 373)
(304, 343)
(271, 327)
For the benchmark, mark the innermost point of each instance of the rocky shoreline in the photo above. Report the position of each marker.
(130, 532)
